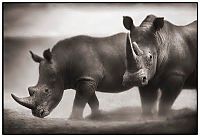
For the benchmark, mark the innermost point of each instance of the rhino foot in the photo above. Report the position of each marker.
(72, 117)
(95, 116)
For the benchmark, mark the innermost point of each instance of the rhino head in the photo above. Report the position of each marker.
(48, 92)
(141, 50)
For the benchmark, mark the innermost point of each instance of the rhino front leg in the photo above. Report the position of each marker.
(84, 91)
(148, 95)
(170, 90)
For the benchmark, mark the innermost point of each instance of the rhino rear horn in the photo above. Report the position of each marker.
(137, 49)
(27, 101)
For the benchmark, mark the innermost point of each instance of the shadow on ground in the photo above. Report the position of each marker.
(125, 120)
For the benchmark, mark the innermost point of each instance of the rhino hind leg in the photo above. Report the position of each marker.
(170, 90)
(149, 96)
(85, 89)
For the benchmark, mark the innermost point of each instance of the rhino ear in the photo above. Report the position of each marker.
(47, 55)
(158, 23)
(128, 22)
(35, 57)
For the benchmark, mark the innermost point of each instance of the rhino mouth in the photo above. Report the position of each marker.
(138, 78)
(41, 113)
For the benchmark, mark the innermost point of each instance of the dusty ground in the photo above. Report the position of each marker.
(125, 120)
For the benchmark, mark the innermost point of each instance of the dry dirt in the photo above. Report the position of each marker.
(126, 120)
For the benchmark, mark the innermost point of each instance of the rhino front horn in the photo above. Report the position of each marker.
(27, 101)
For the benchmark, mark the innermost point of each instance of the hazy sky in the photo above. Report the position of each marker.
(93, 19)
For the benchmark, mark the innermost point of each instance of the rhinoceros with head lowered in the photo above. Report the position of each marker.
(83, 63)
(163, 56)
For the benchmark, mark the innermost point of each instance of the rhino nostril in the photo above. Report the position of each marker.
(42, 112)
(31, 92)
(144, 79)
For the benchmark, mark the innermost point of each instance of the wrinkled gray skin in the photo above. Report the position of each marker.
(83, 63)
(164, 57)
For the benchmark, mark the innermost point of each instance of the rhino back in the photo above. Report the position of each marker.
(102, 59)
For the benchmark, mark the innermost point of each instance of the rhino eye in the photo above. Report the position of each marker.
(150, 57)
(46, 90)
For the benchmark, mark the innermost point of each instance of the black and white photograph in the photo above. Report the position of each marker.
(100, 68)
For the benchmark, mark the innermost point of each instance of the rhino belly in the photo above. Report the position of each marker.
(191, 81)
(112, 80)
